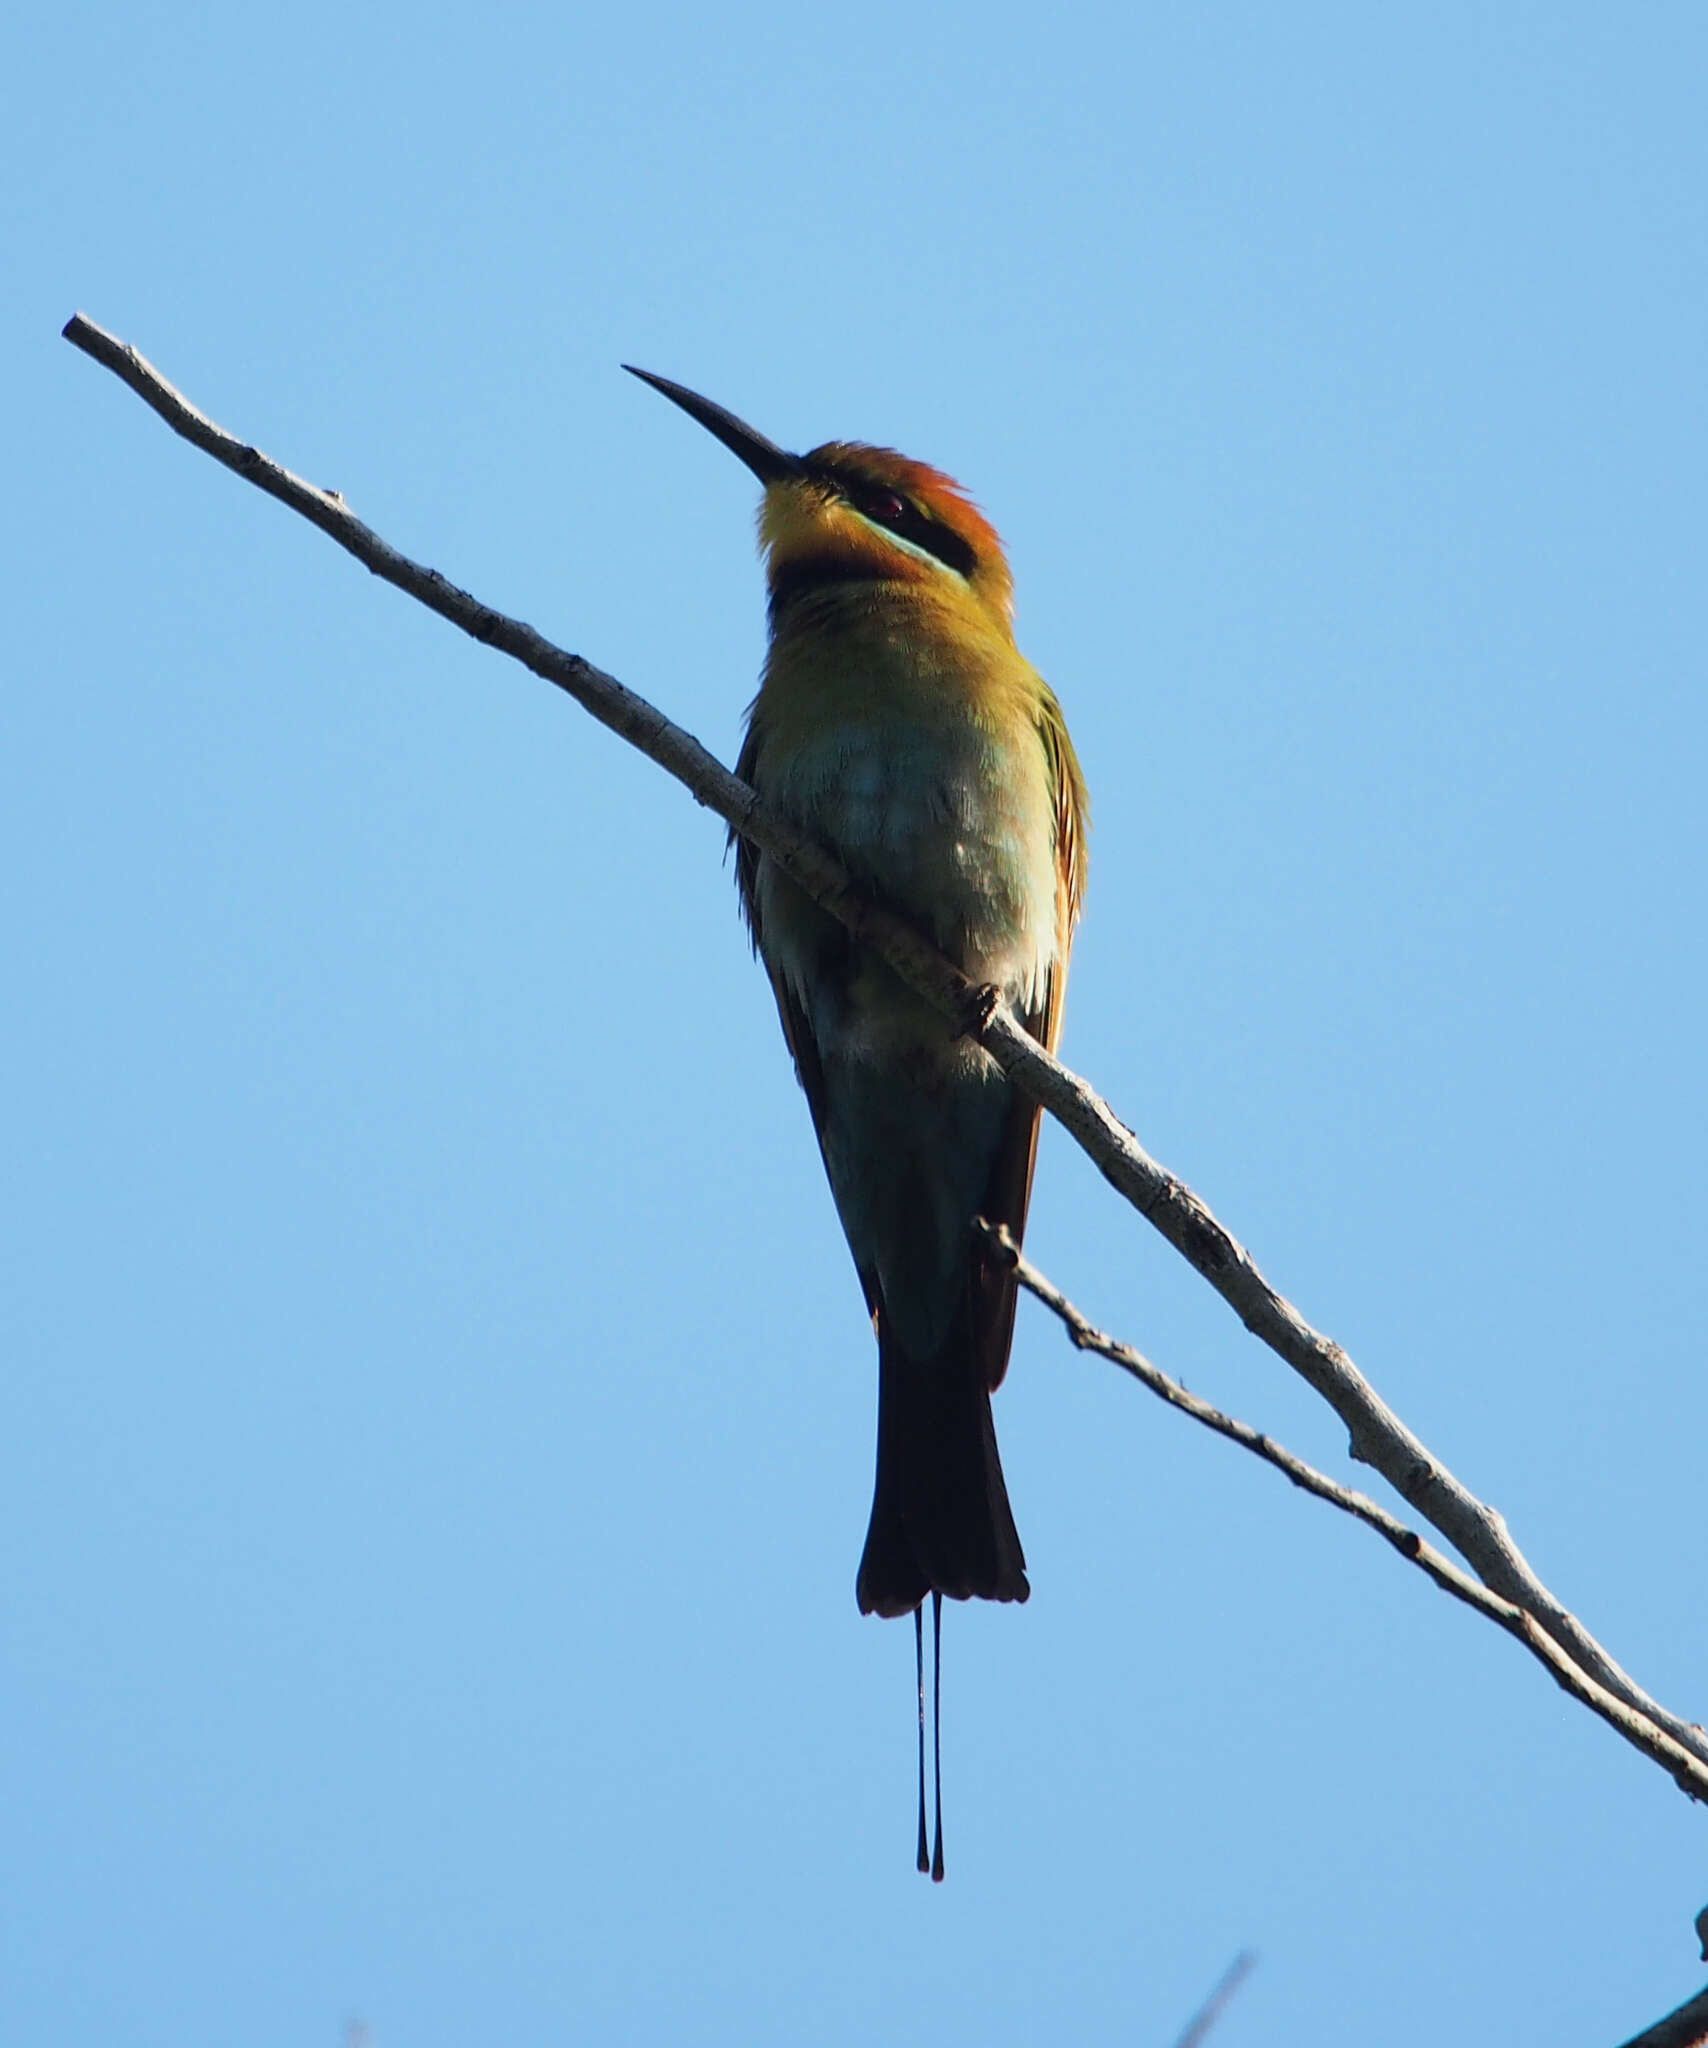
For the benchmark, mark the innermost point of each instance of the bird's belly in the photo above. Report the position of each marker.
(952, 828)
(958, 834)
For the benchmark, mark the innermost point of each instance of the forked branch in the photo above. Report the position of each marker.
(1378, 1437)
(1636, 1728)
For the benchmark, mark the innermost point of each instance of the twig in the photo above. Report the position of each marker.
(1378, 1437)
(1685, 2028)
(1211, 2010)
(1637, 1729)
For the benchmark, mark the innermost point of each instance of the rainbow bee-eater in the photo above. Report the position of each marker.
(898, 724)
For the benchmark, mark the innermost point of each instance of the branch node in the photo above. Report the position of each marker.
(998, 1241)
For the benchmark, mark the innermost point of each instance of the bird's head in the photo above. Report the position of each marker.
(847, 513)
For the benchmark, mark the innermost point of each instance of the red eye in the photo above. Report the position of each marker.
(883, 506)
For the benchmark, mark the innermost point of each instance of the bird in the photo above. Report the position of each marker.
(898, 724)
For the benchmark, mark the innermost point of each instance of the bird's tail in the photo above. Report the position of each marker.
(940, 1515)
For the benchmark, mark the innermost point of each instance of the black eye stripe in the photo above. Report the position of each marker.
(886, 507)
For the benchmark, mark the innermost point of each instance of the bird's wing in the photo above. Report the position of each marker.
(1009, 1189)
(797, 1027)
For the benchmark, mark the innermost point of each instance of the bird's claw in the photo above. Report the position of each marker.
(980, 1009)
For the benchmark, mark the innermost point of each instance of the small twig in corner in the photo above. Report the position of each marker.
(1685, 2028)
(1211, 2010)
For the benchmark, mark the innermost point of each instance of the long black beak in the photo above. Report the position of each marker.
(767, 461)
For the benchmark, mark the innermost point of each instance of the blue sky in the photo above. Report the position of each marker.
(438, 1413)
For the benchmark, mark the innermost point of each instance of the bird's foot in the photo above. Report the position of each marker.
(979, 1009)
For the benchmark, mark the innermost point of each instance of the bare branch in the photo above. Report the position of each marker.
(630, 717)
(1378, 1437)
(1211, 2010)
(1685, 2028)
(1637, 1729)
